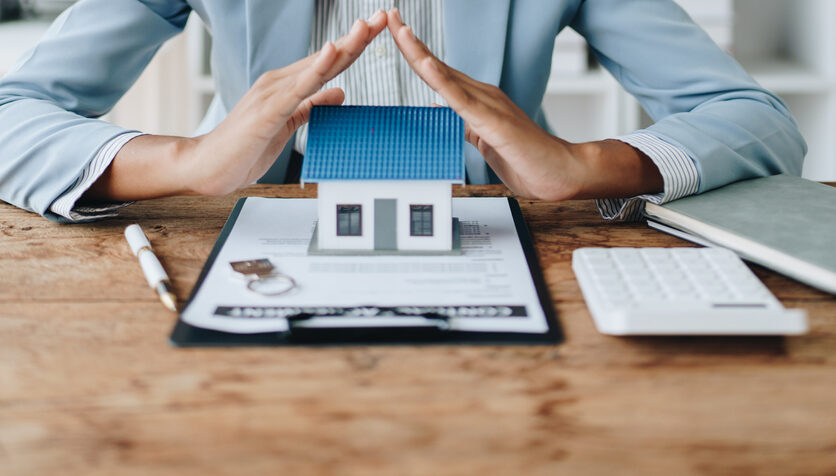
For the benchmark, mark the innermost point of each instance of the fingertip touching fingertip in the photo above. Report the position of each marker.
(397, 14)
(376, 14)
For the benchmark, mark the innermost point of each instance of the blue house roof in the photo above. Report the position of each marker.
(384, 143)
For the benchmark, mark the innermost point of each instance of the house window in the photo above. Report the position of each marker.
(349, 219)
(421, 220)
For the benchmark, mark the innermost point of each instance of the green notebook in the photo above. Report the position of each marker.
(785, 223)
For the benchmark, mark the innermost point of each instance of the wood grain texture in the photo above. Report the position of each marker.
(90, 386)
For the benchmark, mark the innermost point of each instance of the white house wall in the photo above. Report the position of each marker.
(414, 192)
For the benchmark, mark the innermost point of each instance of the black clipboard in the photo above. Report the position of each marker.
(187, 335)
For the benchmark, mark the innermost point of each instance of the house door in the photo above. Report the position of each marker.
(385, 224)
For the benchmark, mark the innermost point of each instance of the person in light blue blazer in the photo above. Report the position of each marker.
(714, 124)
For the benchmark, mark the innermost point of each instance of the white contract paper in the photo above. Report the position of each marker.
(488, 288)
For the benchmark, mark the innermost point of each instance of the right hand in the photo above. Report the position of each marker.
(243, 147)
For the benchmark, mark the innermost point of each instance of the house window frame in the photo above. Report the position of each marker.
(359, 218)
(412, 210)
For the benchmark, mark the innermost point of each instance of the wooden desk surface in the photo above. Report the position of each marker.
(90, 386)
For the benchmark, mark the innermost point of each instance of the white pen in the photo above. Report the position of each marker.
(151, 267)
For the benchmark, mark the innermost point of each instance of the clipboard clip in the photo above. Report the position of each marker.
(433, 320)
(439, 320)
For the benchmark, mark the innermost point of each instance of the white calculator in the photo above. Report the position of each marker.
(679, 291)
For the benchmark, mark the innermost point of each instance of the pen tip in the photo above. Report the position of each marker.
(170, 301)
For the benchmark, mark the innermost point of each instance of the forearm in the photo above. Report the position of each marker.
(699, 97)
(148, 166)
(614, 169)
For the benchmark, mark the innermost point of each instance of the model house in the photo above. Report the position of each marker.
(385, 177)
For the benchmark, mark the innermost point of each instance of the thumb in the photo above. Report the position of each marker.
(329, 97)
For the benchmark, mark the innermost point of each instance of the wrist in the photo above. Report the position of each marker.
(146, 167)
(199, 171)
(614, 169)
(584, 168)
(184, 163)
(172, 164)
(556, 173)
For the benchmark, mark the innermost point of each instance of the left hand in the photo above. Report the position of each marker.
(529, 160)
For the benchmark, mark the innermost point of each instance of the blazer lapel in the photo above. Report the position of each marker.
(278, 33)
(474, 43)
(474, 32)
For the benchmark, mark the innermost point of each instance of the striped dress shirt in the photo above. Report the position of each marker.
(382, 77)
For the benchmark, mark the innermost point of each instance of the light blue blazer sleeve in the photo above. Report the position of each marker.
(701, 99)
(48, 103)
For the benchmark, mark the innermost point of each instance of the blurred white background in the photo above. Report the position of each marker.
(789, 46)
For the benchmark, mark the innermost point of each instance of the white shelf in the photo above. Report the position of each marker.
(788, 46)
(789, 77)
